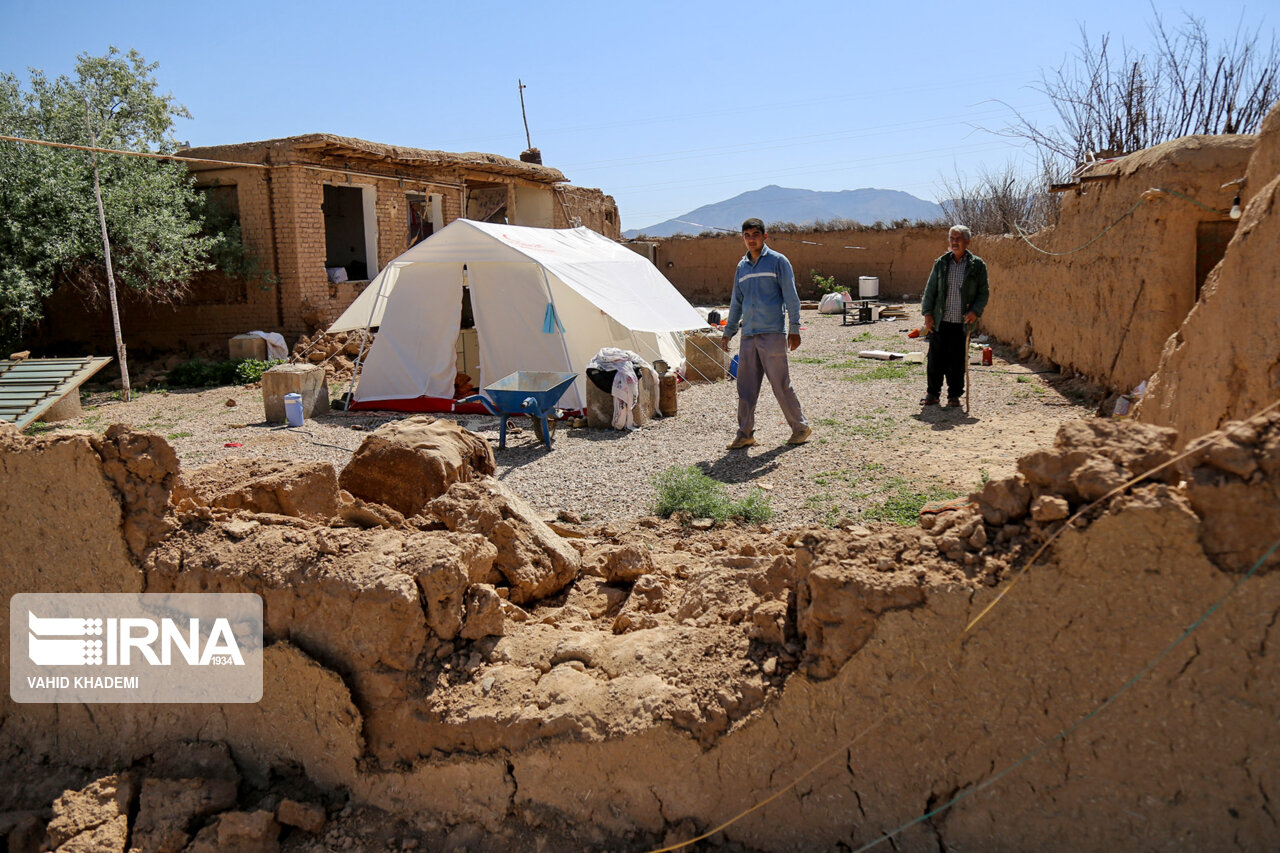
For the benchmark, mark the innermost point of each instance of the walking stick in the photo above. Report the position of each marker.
(966, 369)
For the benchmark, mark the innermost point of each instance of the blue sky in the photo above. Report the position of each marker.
(664, 105)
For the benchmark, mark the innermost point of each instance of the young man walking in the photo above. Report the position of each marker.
(954, 299)
(764, 299)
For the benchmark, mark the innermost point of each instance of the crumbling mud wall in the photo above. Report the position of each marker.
(1223, 362)
(701, 268)
(466, 664)
(1118, 274)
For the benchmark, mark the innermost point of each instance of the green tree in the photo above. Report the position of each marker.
(50, 234)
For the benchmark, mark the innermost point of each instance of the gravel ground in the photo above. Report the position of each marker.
(873, 448)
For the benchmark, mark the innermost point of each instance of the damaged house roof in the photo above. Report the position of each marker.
(326, 148)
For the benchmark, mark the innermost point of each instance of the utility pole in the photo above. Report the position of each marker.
(528, 141)
(106, 250)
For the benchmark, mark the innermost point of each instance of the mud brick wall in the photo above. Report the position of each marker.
(701, 268)
(1105, 309)
(593, 208)
(1223, 363)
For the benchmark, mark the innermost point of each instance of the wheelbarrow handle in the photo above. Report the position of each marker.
(484, 401)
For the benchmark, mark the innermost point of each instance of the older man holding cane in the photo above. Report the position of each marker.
(954, 299)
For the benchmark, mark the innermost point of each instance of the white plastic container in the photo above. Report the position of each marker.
(868, 287)
(293, 409)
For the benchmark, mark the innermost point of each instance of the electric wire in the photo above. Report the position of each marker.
(1122, 217)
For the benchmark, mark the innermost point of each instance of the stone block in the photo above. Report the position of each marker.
(600, 403)
(247, 346)
(305, 379)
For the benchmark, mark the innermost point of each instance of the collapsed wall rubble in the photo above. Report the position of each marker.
(464, 666)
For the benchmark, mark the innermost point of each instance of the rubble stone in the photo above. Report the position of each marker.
(100, 802)
(406, 464)
(534, 561)
(1049, 508)
(244, 832)
(484, 616)
(167, 807)
(309, 817)
(625, 563)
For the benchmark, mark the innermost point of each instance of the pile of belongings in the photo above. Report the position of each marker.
(625, 366)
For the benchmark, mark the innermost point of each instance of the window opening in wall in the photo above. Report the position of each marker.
(222, 201)
(221, 216)
(487, 203)
(421, 222)
(346, 258)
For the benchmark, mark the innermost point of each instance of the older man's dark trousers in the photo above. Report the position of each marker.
(946, 359)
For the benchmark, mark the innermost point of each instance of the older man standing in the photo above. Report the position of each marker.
(764, 296)
(954, 299)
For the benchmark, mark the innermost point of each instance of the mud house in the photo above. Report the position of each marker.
(1101, 292)
(323, 214)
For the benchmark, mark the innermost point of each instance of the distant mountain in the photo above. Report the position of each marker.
(802, 207)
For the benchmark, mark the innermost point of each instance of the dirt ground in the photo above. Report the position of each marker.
(873, 450)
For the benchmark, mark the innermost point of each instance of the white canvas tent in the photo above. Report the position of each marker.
(543, 299)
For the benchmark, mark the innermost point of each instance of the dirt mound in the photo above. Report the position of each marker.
(405, 464)
(476, 674)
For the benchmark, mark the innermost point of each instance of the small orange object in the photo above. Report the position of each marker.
(914, 333)
(233, 444)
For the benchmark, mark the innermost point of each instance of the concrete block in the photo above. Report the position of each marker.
(600, 403)
(305, 379)
(66, 409)
(247, 346)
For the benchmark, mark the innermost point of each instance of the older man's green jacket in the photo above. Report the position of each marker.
(973, 291)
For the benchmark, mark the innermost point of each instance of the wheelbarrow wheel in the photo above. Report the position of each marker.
(537, 428)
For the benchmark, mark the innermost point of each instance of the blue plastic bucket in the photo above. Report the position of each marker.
(733, 367)
(293, 409)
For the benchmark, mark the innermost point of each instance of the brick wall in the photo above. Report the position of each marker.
(301, 298)
(593, 208)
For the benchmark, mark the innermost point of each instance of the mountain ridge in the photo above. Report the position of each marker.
(775, 204)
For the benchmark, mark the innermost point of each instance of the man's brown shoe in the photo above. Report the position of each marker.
(953, 402)
(741, 442)
(800, 436)
(928, 400)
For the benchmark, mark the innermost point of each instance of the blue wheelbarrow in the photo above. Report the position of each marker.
(525, 392)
